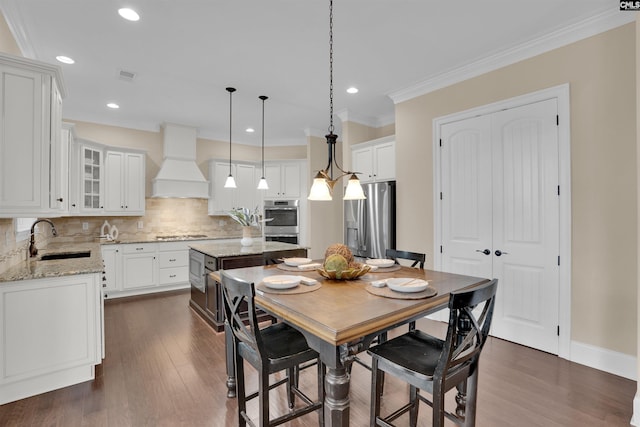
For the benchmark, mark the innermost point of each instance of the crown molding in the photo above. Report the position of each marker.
(589, 27)
(375, 122)
(17, 22)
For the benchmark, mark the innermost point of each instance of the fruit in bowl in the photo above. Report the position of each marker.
(339, 264)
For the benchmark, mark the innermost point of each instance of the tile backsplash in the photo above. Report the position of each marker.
(162, 217)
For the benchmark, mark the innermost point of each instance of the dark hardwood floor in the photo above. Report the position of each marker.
(165, 367)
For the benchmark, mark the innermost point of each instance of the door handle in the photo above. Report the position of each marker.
(499, 252)
(486, 251)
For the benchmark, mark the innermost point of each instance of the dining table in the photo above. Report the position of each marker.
(341, 318)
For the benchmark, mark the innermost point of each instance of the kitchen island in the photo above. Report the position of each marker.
(205, 258)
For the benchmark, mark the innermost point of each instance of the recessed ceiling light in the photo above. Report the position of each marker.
(250, 130)
(113, 105)
(352, 90)
(65, 59)
(129, 14)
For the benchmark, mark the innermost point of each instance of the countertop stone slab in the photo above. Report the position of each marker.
(228, 249)
(34, 268)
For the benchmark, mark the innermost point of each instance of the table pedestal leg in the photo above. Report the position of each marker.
(336, 405)
(231, 369)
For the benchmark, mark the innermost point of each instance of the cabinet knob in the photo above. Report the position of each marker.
(60, 199)
(73, 205)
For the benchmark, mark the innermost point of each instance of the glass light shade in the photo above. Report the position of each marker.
(262, 184)
(320, 189)
(230, 182)
(354, 189)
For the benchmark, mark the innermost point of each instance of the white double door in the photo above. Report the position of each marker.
(500, 215)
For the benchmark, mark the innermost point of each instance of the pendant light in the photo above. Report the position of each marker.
(262, 184)
(230, 182)
(324, 182)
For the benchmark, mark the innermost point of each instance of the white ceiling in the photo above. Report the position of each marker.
(185, 52)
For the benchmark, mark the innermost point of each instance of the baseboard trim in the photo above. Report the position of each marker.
(614, 362)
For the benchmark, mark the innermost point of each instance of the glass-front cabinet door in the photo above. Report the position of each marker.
(92, 179)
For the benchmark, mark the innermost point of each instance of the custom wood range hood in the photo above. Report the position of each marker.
(179, 174)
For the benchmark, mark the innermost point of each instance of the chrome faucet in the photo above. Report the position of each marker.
(33, 251)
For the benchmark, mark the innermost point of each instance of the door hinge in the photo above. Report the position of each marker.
(558, 190)
(558, 259)
(558, 330)
(441, 195)
(557, 120)
(440, 248)
(440, 142)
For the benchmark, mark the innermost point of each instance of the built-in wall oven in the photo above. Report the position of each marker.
(282, 221)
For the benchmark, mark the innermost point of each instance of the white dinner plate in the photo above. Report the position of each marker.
(281, 281)
(407, 284)
(381, 262)
(294, 262)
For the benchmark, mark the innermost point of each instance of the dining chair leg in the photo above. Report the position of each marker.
(413, 412)
(263, 384)
(438, 406)
(376, 392)
(472, 395)
(240, 390)
(292, 381)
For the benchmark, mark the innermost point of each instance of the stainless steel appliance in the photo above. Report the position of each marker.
(284, 221)
(370, 224)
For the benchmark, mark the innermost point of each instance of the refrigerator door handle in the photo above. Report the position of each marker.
(362, 231)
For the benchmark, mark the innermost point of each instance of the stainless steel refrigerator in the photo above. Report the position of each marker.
(370, 224)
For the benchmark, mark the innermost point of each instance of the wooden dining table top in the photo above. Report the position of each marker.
(342, 311)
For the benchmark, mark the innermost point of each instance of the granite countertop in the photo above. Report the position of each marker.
(163, 238)
(34, 268)
(227, 249)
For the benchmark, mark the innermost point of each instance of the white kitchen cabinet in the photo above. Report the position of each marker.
(284, 179)
(142, 268)
(112, 276)
(375, 160)
(91, 179)
(59, 160)
(222, 200)
(31, 95)
(139, 266)
(124, 182)
(173, 263)
(40, 315)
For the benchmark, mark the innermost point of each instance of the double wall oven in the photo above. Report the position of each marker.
(283, 221)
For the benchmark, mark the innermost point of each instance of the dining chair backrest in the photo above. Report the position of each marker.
(239, 309)
(417, 257)
(468, 328)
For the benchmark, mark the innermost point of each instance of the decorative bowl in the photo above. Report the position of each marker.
(348, 274)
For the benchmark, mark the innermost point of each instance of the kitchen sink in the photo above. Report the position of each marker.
(65, 255)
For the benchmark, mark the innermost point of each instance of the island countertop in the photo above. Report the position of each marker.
(231, 249)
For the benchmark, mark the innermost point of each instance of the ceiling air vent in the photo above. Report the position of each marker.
(126, 75)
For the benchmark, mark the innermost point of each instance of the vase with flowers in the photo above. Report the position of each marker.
(247, 219)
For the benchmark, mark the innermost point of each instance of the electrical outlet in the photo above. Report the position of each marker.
(85, 226)
(221, 223)
(140, 225)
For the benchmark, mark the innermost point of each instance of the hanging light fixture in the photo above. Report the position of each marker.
(324, 182)
(262, 184)
(230, 182)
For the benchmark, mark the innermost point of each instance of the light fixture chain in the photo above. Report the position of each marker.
(230, 113)
(330, 66)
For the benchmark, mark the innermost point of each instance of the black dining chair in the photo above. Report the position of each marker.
(274, 348)
(417, 257)
(434, 365)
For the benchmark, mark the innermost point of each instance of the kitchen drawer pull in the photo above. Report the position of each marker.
(172, 275)
(172, 260)
(139, 249)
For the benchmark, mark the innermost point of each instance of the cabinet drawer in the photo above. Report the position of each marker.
(173, 275)
(139, 248)
(173, 259)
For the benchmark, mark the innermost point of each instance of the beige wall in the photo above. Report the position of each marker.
(601, 73)
(7, 42)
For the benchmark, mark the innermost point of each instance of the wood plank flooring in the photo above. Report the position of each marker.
(165, 367)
